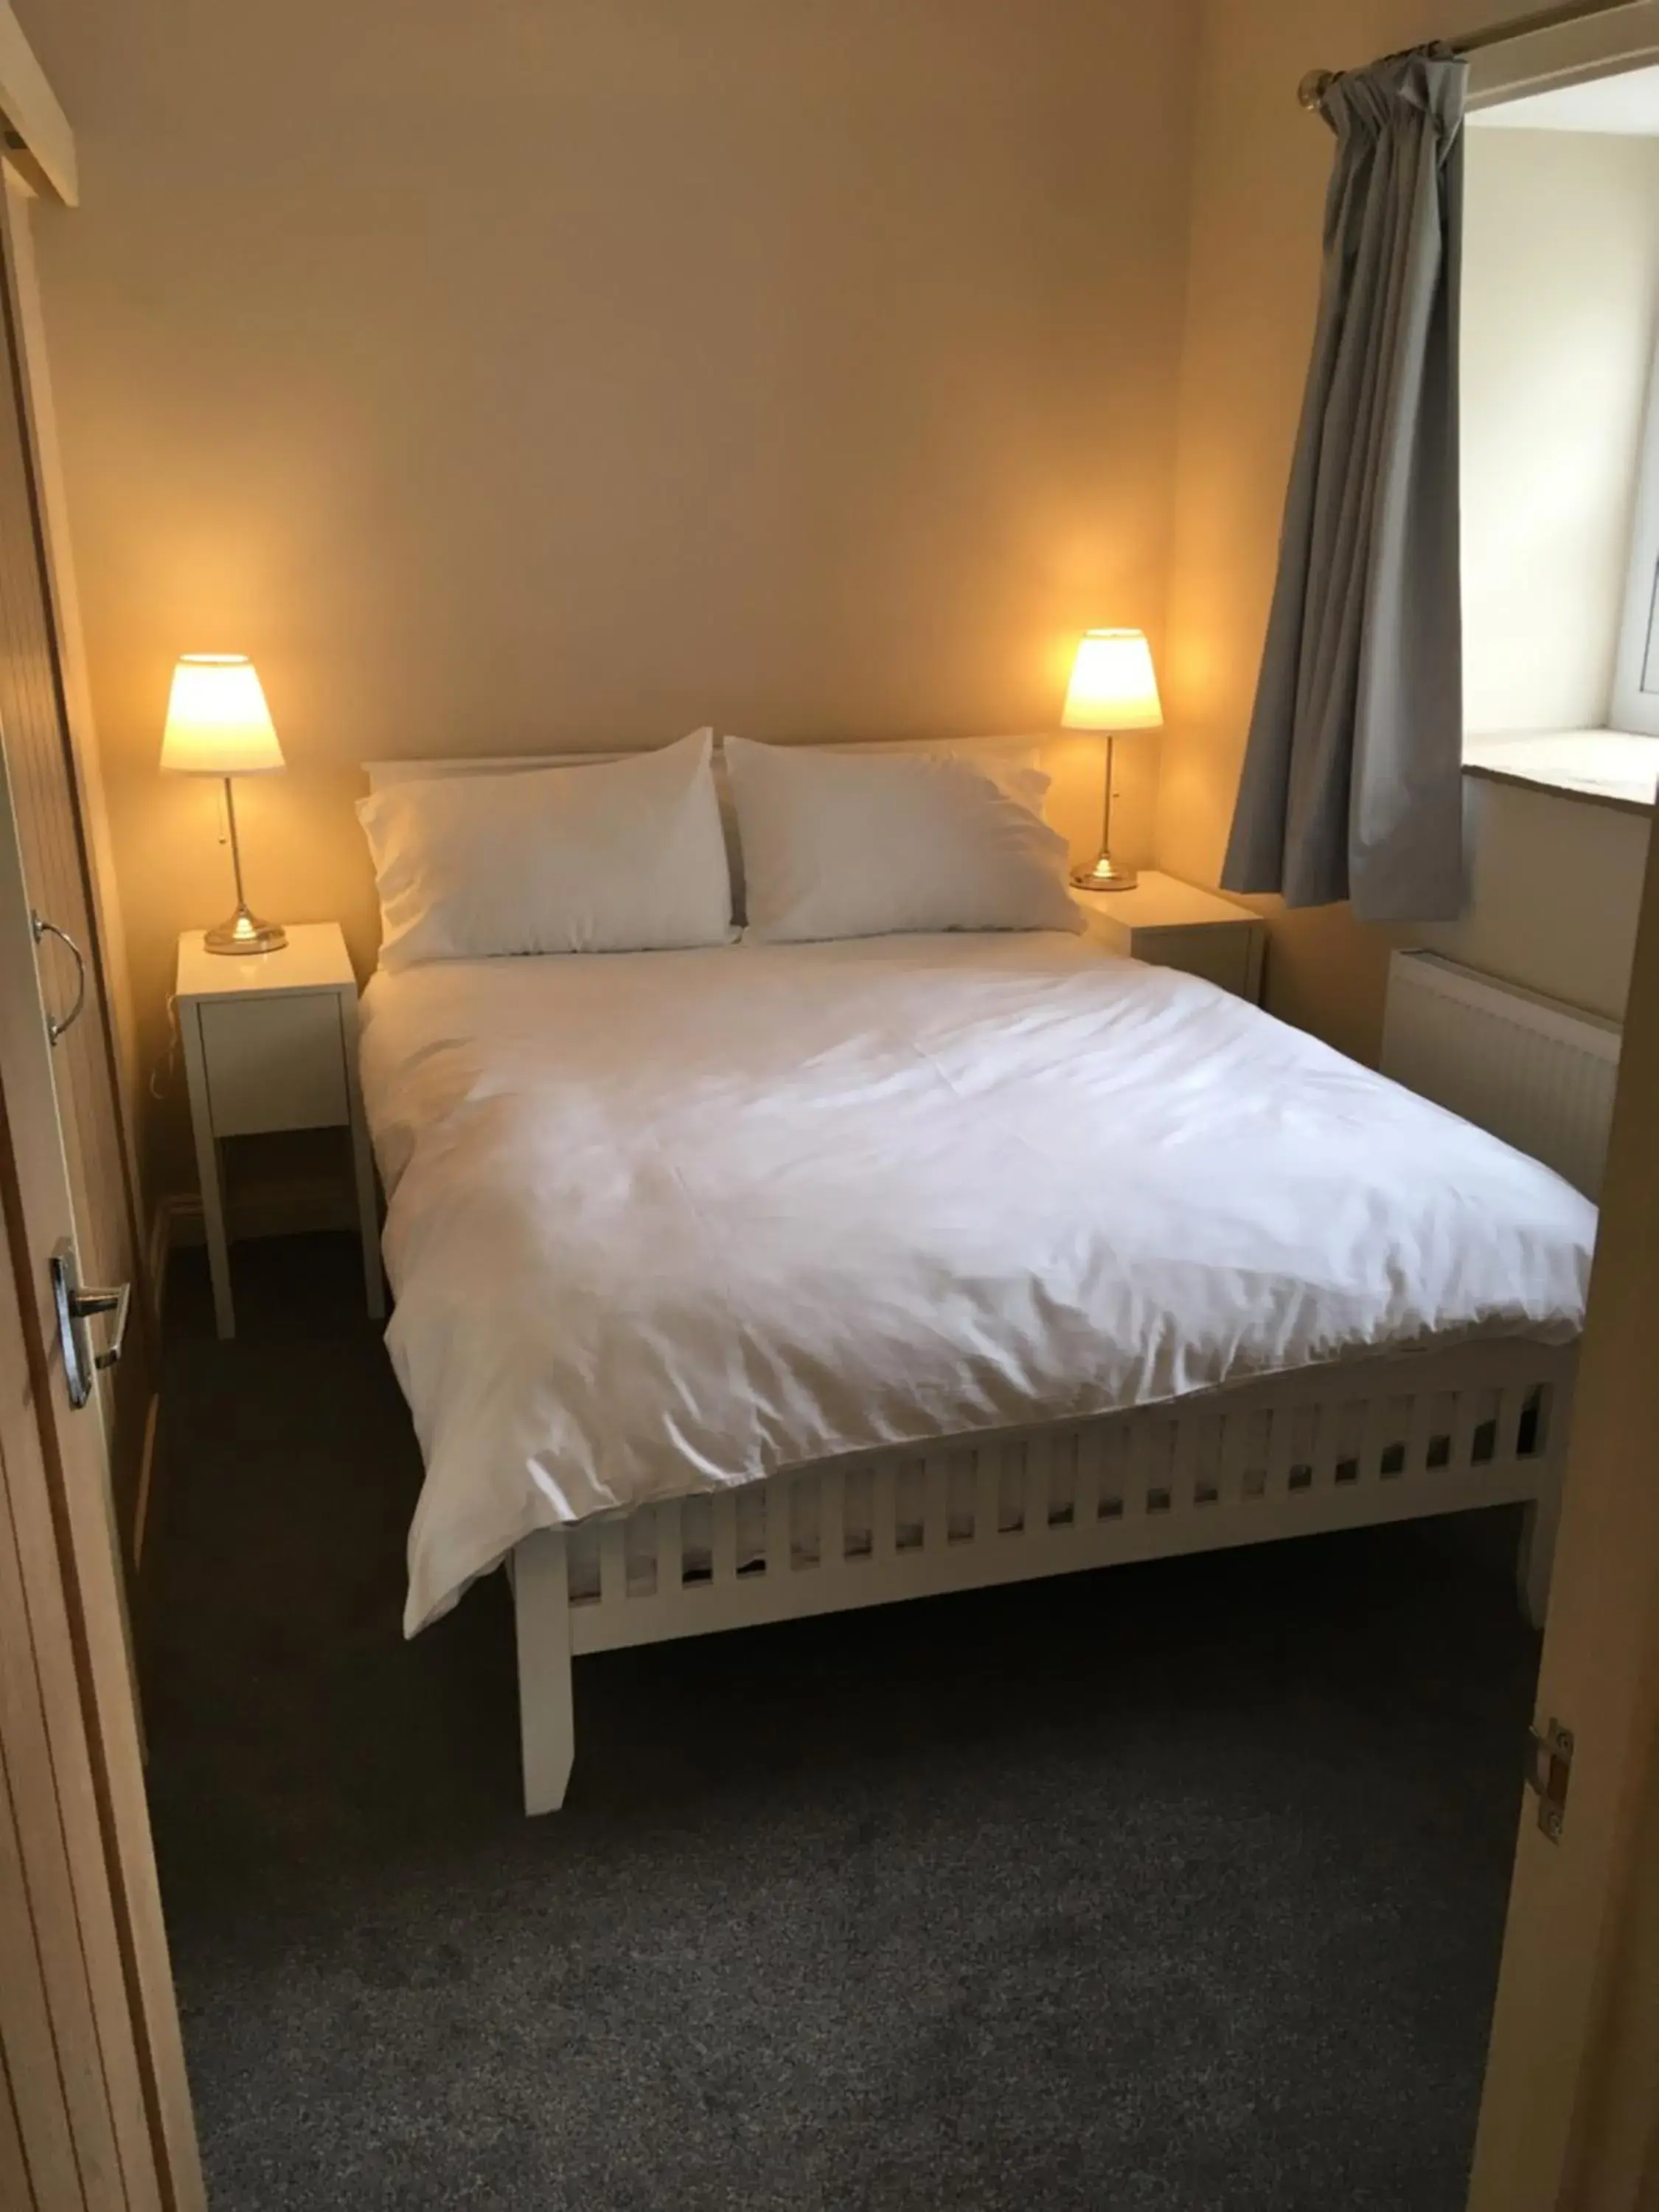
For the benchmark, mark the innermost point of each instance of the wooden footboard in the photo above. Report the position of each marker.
(1322, 1449)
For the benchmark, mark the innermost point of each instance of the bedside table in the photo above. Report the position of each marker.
(1174, 925)
(271, 1042)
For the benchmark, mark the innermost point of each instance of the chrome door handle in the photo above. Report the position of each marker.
(77, 1304)
(41, 927)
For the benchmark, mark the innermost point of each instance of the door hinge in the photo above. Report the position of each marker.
(1549, 1771)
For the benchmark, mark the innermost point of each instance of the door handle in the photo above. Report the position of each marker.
(41, 927)
(77, 1304)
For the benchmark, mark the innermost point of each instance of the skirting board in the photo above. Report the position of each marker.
(293, 1208)
(146, 1485)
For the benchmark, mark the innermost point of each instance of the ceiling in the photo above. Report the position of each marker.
(1627, 106)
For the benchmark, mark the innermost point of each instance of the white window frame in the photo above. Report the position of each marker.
(1635, 703)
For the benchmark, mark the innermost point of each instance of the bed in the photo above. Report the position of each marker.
(740, 1283)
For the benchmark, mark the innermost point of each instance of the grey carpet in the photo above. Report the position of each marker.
(1179, 1887)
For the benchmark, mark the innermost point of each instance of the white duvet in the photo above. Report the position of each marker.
(666, 1222)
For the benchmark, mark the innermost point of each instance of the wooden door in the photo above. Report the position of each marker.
(74, 2127)
(1570, 2112)
(95, 2110)
(94, 2106)
(48, 804)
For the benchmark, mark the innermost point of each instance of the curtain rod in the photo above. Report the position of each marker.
(1317, 83)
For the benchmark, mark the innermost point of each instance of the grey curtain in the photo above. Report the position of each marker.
(1352, 782)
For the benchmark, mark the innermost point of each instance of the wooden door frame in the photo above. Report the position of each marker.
(42, 143)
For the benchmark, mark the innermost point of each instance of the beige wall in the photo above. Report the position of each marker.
(1561, 279)
(540, 379)
(1259, 179)
(506, 378)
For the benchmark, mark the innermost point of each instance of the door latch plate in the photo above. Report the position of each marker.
(1549, 1773)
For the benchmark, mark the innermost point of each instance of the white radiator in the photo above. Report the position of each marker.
(1536, 1073)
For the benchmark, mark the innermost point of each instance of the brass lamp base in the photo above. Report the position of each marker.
(1105, 876)
(245, 932)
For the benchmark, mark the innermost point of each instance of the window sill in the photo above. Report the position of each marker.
(1609, 768)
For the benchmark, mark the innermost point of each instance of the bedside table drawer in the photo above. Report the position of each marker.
(275, 1063)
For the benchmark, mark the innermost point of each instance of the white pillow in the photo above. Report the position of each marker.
(614, 856)
(843, 844)
(1011, 763)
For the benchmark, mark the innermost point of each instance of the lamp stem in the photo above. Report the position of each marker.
(1105, 875)
(236, 849)
(244, 931)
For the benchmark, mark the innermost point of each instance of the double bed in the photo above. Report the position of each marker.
(740, 1283)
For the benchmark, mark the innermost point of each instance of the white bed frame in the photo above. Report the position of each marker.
(1343, 1446)
(1346, 1446)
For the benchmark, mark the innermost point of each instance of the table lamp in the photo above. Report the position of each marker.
(218, 723)
(1114, 687)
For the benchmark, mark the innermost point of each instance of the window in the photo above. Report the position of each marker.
(1636, 673)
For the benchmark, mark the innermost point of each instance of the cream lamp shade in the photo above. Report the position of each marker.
(1114, 686)
(218, 723)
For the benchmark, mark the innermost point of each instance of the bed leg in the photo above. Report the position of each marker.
(547, 1725)
(1535, 1560)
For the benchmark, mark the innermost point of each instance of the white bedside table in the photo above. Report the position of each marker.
(271, 1042)
(1174, 925)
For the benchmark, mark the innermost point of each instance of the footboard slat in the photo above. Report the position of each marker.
(1465, 1422)
(613, 1562)
(1511, 1412)
(988, 1495)
(779, 1504)
(1238, 1459)
(1034, 1516)
(671, 1559)
(1281, 1447)
(832, 1520)
(724, 1559)
(1374, 1441)
(1138, 1483)
(1423, 1416)
(1290, 1455)
(883, 1513)
(1086, 1510)
(936, 1506)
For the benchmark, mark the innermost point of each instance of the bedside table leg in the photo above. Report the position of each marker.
(209, 1173)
